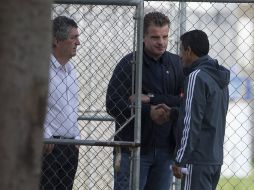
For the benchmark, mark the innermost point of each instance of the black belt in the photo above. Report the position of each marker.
(61, 137)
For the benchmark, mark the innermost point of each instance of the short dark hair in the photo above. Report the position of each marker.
(61, 26)
(197, 40)
(155, 18)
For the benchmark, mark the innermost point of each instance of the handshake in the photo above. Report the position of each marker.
(159, 113)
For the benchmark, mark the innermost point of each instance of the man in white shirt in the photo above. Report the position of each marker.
(60, 161)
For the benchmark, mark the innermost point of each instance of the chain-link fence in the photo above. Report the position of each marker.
(108, 33)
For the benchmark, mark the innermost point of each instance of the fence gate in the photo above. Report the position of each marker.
(109, 29)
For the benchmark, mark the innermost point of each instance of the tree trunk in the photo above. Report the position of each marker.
(25, 45)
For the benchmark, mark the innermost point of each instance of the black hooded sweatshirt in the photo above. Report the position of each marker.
(202, 114)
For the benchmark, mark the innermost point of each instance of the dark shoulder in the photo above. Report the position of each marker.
(124, 63)
(174, 58)
(172, 54)
(127, 58)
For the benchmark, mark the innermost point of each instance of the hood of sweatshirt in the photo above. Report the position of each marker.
(218, 72)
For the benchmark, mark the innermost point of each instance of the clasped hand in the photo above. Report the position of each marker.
(177, 171)
(159, 113)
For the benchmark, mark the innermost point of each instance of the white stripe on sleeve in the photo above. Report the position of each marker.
(187, 118)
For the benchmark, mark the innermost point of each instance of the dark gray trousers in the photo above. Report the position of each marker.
(201, 177)
(59, 168)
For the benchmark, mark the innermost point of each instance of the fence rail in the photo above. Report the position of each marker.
(100, 2)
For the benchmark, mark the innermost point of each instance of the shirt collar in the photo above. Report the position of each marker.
(150, 59)
(68, 66)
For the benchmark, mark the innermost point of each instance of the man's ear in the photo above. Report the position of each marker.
(188, 50)
(55, 42)
(191, 54)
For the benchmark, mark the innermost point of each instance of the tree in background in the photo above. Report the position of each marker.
(25, 46)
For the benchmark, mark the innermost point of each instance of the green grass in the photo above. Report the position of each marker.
(235, 183)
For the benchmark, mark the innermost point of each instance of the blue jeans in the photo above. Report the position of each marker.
(155, 172)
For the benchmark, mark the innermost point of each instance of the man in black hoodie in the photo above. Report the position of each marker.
(202, 115)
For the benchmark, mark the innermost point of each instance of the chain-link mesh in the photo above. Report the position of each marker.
(107, 35)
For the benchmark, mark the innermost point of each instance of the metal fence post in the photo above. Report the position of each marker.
(138, 87)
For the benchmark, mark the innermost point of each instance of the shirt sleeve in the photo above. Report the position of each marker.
(170, 100)
(119, 91)
(47, 133)
(190, 117)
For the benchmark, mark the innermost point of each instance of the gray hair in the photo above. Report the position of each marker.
(61, 26)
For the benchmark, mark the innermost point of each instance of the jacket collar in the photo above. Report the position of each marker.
(200, 61)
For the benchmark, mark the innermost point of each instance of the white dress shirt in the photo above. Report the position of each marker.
(62, 105)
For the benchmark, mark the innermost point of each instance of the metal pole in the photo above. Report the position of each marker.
(95, 118)
(182, 30)
(92, 142)
(99, 2)
(210, 1)
(138, 87)
(182, 23)
(182, 9)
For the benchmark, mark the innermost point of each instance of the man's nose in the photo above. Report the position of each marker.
(160, 41)
(77, 42)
